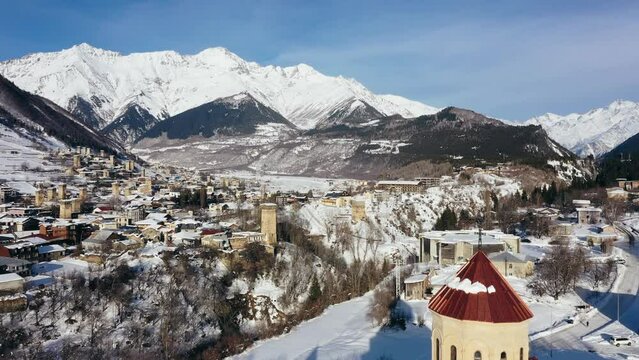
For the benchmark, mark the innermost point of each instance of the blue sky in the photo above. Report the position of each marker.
(509, 59)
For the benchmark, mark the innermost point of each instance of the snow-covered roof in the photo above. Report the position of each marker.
(415, 278)
(468, 236)
(50, 249)
(4, 278)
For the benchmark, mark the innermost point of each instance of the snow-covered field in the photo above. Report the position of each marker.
(344, 332)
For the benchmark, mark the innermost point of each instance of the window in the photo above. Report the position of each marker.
(437, 356)
(477, 355)
(453, 353)
(503, 356)
(510, 266)
(521, 353)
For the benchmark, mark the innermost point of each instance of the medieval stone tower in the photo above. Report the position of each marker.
(478, 316)
(115, 189)
(358, 210)
(269, 223)
(66, 209)
(39, 197)
(62, 191)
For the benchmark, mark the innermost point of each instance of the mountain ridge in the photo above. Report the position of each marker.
(595, 132)
(167, 83)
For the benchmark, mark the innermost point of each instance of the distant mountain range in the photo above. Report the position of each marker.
(215, 110)
(99, 86)
(595, 132)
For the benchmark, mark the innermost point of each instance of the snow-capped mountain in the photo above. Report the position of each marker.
(99, 85)
(595, 132)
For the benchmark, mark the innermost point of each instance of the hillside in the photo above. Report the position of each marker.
(44, 124)
(359, 149)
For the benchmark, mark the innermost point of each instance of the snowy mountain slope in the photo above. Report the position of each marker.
(43, 123)
(98, 84)
(130, 125)
(595, 132)
(359, 150)
(350, 112)
(240, 114)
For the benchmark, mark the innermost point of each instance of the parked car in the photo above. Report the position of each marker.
(525, 240)
(620, 340)
(621, 261)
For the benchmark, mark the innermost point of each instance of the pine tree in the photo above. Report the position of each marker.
(315, 293)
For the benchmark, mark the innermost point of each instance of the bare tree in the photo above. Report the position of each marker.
(559, 271)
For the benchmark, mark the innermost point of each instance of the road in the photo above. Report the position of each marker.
(626, 296)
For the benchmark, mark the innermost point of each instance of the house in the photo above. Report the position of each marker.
(546, 213)
(628, 185)
(189, 238)
(19, 223)
(126, 244)
(100, 240)
(240, 239)
(50, 252)
(215, 239)
(457, 246)
(11, 284)
(509, 264)
(416, 286)
(24, 250)
(17, 266)
(403, 186)
(617, 193)
(478, 315)
(588, 215)
(336, 199)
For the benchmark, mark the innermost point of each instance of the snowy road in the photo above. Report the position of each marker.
(623, 297)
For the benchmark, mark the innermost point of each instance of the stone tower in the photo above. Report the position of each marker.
(478, 315)
(115, 189)
(82, 193)
(358, 210)
(76, 161)
(66, 208)
(62, 191)
(268, 225)
(112, 160)
(39, 197)
(51, 196)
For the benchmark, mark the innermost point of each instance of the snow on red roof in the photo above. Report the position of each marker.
(480, 293)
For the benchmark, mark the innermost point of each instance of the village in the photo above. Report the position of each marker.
(108, 216)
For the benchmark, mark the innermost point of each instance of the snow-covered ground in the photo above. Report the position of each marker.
(344, 332)
(23, 158)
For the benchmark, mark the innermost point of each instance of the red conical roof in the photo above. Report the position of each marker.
(480, 293)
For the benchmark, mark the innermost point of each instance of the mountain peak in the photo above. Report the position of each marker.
(87, 49)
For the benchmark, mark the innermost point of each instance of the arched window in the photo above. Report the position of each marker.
(453, 353)
(503, 356)
(521, 353)
(477, 355)
(437, 355)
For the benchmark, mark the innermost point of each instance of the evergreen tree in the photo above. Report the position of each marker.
(315, 293)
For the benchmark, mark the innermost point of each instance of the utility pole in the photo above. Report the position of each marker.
(398, 275)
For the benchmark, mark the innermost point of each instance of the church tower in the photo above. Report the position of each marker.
(478, 316)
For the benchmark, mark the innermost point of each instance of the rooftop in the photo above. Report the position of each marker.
(480, 293)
